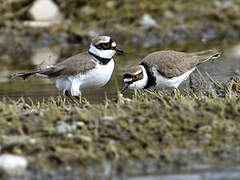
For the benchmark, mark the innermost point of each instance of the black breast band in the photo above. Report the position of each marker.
(103, 61)
(151, 79)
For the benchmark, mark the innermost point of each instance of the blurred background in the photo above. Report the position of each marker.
(33, 32)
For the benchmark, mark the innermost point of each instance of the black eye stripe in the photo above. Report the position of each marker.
(100, 45)
(104, 43)
(127, 76)
(140, 75)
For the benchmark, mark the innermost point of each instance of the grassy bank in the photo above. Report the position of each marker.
(168, 128)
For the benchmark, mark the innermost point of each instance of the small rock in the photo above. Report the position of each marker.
(85, 138)
(223, 5)
(37, 24)
(80, 124)
(13, 165)
(32, 141)
(108, 118)
(87, 11)
(68, 168)
(45, 13)
(70, 135)
(44, 10)
(168, 14)
(111, 4)
(64, 128)
(148, 21)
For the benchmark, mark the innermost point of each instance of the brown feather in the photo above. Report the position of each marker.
(172, 63)
(80, 63)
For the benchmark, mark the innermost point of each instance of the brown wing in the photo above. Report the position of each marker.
(172, 63)
(74, 65)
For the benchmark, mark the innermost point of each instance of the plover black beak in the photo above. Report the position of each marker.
(125, 88)
(119, 51)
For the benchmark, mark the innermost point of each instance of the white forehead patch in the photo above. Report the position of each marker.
(138, 72)
(114, 44)
(104, 39)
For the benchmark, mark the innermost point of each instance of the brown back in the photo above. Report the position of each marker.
(172, 63)
(74, 65)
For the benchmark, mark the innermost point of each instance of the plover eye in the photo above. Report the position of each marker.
(135, 77)
(106, 45)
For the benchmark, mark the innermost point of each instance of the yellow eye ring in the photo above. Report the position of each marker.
(135, 77)
(106, 45)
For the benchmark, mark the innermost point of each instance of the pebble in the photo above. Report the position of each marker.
(13, 165)
(32, 141)
(44, 13)
(108, 118)
(80, 124)
(87, 11)
(223, 5)
(148, 21)
(44, 10)
(64, 128)
(70, 135)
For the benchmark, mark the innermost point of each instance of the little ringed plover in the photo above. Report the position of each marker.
(165, 69)
(89, 69)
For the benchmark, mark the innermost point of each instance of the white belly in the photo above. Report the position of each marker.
(97, 77)
(162, 82)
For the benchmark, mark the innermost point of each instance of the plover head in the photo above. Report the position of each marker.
(135, 77)
(104, 47)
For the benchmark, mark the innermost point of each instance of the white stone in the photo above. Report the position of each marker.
(13, 165)
(40, 24)
(44, 10)
(69, 135)
(223, 5)
(32, 141)
(80, 124)
(64, 128)
(148, 21)
(108, 118)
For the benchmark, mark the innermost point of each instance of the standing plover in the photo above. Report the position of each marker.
(89, 69)
(165, 69)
